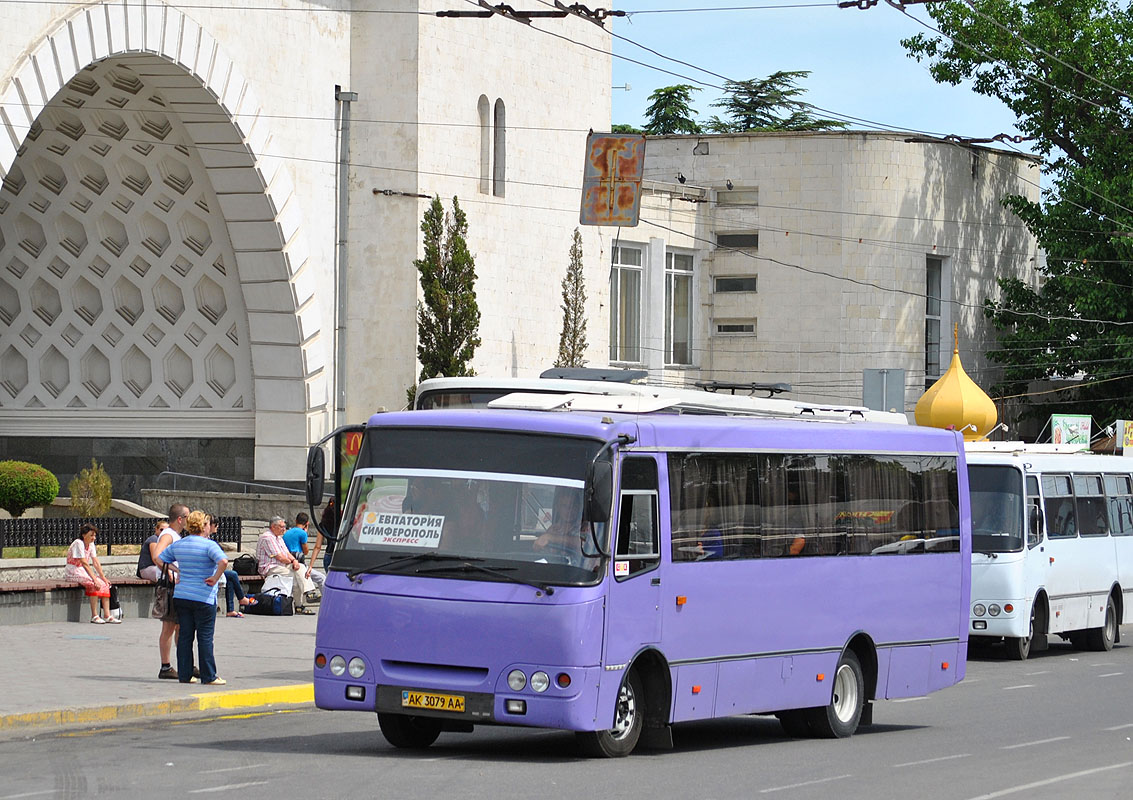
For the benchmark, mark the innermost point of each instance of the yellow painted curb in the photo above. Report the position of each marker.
(271, 695)
(294, 694)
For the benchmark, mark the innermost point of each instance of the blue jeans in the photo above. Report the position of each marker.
(232, 589)
(197, 621)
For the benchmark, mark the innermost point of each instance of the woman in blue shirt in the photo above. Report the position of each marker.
(201, 562)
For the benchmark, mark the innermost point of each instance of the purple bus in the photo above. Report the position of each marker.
(613, 574)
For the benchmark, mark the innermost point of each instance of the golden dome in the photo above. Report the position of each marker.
(956, 401)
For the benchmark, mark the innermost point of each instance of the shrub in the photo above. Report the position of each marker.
(91, 491)
(24, 486)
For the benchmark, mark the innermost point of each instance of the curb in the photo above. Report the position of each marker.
(266, 697)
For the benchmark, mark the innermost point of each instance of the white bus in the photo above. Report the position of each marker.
(713, 398)
(1052, 545)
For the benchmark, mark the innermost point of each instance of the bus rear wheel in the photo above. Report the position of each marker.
(410, 733)
(1102, 638)
(839, 718)
(629, 717)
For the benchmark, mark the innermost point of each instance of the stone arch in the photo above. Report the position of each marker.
(162, 50)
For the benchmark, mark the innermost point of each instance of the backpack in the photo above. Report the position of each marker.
(271, 604)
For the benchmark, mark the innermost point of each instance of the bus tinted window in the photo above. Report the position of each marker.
(772, 505)
(1061, 517)
(1093, 516)
(1119, 488)
(997, 509)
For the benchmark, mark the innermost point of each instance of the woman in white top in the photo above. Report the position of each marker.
(83, 566)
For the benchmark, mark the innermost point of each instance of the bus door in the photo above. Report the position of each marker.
(633, 609)
(1067, 610)
(1119, 491)
(1035, 564)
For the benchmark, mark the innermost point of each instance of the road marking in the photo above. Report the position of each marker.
(804, 783)
(1029, 744)
(931, 760)
(1111, 674)
(232, 769)
(1040, 672)
(1049, 781)
(29, 794)
(1120, 727)
(908, 700)
(1020, 686)
(228, 787)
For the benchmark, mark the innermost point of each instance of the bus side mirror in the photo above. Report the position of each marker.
(1035, 531)
(316, 475)
(600, 491)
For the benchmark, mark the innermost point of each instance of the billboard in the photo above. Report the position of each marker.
(1070, 429)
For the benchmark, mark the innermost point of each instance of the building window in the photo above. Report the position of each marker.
(738, 241)
(625, 305)
(744, 283)
(678, 308)
(484, 107)
(735, 327)
(499, 141)
(934, 268)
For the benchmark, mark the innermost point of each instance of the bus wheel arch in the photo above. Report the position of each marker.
(1118, 595)
(641, 710)
(862, 645)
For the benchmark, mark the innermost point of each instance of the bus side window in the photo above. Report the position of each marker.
(1062, 522)
(1034, 513)
(638, 545)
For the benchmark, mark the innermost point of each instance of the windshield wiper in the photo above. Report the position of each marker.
(988, 553)
(412, 558)
(498, 572)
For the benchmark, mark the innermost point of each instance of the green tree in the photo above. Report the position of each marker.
(572, 339)
(24, 486)
(770, 104)
(449, 318)
(1066, 70)
(670, 111)
(621, 127)
(91, 491)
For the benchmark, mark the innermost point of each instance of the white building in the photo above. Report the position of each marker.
(808, 258)
(169, 217)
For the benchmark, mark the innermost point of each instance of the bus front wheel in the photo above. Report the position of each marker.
(1018, 648)
(411, 733)
(629, 717)
(839, 718)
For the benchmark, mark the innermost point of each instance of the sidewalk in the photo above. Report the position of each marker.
(69, 674)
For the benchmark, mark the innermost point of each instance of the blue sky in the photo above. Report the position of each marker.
(857, 64)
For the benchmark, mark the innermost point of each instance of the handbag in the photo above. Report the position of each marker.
(162, 607)
(272, 604)
(245, 565)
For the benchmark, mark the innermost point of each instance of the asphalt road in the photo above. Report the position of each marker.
(1057, 726)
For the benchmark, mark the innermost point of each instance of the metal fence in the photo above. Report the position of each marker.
(112, 531)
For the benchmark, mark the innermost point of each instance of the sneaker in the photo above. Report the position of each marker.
(98, 620)
(167, 672)
(217, 682)
(194, 679)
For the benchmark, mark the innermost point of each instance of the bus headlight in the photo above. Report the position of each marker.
(993, 610)
(338, 665)
(356, 667)
(979, 609)
(516, 680)
(540, 681)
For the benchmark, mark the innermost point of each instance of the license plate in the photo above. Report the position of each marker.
(433, 702)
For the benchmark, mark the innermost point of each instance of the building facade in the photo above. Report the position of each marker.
(209, 217)
(838, 262)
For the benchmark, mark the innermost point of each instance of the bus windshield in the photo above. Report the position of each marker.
(471, 504)
(997, 509)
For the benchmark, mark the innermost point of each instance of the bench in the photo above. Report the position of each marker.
(61, 600)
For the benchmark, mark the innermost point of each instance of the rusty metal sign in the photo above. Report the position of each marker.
(611, 182)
